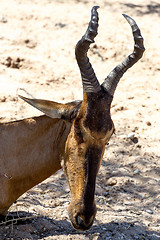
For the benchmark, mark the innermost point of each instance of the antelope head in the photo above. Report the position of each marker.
(91, 124)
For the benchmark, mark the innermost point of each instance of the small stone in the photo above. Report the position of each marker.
(106, 194)
(137, 171)
(131, 135)
(3, 99)
(135, 140)
(104, 228)
(138, 146)
(111, 182)
(149, 211)
(27, 41)
(119, 210)
(148, 123)
(4, 20)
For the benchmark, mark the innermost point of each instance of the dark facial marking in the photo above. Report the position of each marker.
(93, 156)
(77, 131)
(98, 112)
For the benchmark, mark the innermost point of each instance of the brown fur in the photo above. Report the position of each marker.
(31, 152)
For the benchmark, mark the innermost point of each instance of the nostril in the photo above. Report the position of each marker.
(79, 221)
(82, 224)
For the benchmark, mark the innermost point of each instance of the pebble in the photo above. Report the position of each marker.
(4, 20)
(137, 171)
(106, 194)
(114, 220)
(149, 211)
(148, 123)
(131, 135)
(111, 182)
(32, 209)
(119, 210)
(103, 228)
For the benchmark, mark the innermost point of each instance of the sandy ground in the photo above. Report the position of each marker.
(37, 40)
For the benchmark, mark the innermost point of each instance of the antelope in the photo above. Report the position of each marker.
(71, 136)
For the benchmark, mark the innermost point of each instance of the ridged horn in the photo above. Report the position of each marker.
(89, 79)
(111, 81)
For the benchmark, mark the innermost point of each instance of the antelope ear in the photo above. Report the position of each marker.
(52, 109)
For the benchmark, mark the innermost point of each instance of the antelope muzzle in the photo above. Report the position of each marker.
(81, 217)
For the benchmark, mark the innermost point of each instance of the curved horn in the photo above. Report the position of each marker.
(89, 79)
(111, 81)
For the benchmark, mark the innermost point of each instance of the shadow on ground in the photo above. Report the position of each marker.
(40, 227)
(152, 8)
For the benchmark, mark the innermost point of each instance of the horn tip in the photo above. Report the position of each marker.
(23, 98)
(129, 19)
(94, 8)
(125, 15)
